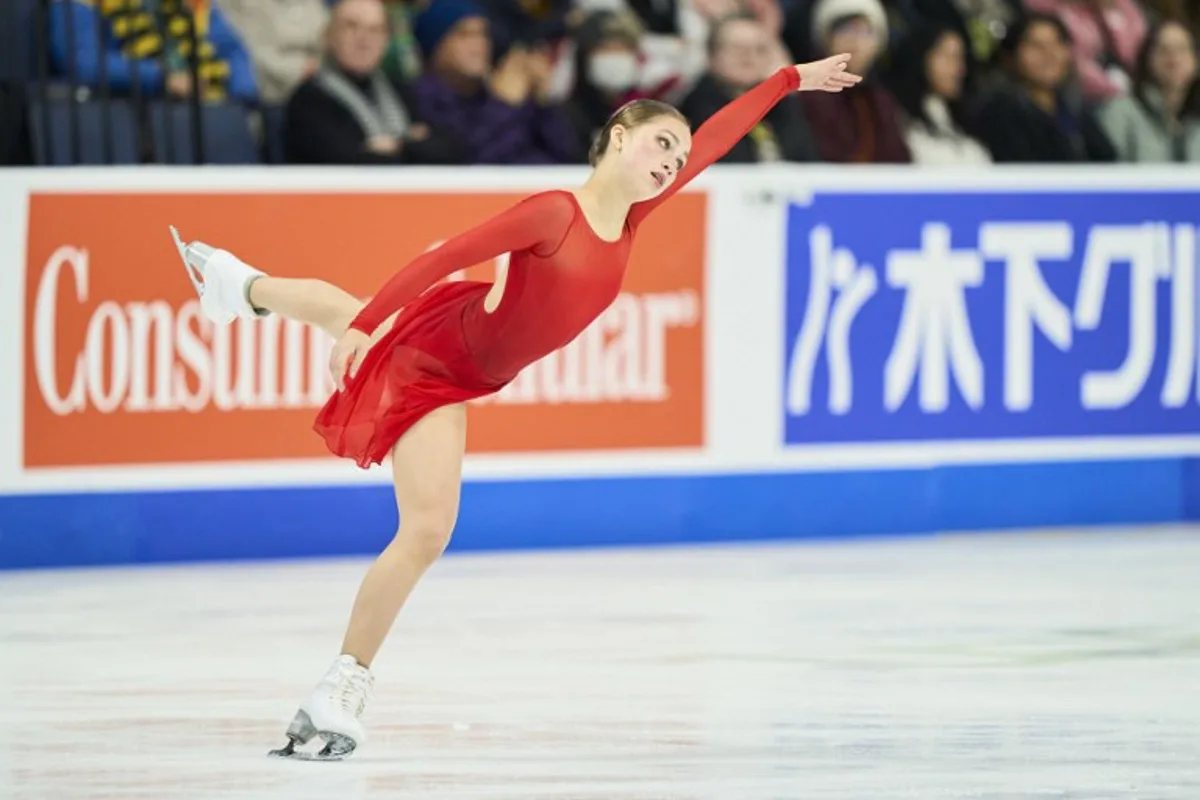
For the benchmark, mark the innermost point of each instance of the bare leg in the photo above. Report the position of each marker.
(427, 468)
(313, 302)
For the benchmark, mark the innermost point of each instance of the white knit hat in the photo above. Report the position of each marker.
(828, 11)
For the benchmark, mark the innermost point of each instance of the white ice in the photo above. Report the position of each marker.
(1031, 665)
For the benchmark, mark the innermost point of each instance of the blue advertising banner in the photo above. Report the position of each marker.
(991, 315)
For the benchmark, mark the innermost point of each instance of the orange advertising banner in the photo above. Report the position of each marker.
(121, 367)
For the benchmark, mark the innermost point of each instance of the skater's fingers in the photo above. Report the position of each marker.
(337, 369)
(356, 357)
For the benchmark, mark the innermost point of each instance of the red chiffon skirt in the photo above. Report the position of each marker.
(422, 363)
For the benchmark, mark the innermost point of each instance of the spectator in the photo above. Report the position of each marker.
(503, 115)
(1160, 121)
(1031, 116)
(350, 112)
(284, 40)
(768, 13)
(673, 39)
(740, 57)
(927, 75)
(607, 71)
(402, 59)
(861, 126)
(134, 50)
(1106, 36)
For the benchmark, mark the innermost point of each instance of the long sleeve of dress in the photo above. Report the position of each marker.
(722, 131)
(538, 223)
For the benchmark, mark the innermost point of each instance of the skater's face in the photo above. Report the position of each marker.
(652, 154)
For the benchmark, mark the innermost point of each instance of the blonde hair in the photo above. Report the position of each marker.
(631, 115)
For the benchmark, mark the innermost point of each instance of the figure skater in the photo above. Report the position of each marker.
(405, 363)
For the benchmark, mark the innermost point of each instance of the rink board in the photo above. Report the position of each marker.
(799, 353)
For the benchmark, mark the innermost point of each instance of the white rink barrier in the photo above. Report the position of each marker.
(797, 352)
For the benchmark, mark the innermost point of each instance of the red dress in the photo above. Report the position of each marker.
(445, 348)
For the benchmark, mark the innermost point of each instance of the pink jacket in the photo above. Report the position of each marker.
(1128, 26)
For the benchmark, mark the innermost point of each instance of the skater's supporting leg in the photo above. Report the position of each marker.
(427, 466)
(427, 469)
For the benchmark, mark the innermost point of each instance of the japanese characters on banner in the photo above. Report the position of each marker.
(991, 314)
(121, 368)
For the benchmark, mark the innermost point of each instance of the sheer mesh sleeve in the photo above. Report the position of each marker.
(537, 224)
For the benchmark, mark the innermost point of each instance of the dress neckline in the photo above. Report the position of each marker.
(588, 224)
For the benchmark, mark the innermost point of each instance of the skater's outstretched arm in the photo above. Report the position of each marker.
(723, 130)
(537, 223)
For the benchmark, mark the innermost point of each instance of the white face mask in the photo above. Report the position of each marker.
(613, 72)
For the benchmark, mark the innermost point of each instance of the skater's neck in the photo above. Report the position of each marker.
(609, 199)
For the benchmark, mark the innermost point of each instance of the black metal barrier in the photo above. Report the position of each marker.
(73, 123)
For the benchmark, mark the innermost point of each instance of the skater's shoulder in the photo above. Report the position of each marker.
(552, 200)
(549, 208)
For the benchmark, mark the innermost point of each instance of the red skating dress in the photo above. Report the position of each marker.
(445, 348)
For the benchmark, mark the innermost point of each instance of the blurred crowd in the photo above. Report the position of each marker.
(949, 82)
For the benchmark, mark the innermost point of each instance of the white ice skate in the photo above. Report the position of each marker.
(221, 279)
(331, 713)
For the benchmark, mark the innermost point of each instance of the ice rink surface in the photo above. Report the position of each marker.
(1034, 665)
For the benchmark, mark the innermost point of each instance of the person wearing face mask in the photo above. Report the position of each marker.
(607, 70)
(740, 51)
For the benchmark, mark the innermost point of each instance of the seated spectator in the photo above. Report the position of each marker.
(740, 58)
(768, 13)
(503, 115)
(926, 76)
(607, 71)
(1106, 36)
(673, 39)
(350, 112)
(135, 48)
(1160, 120)
(402, 59)
(861, 126)
(284, 40)
(1031, 116)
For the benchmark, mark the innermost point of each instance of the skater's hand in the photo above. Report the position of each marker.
(827, 75)
(347, 356)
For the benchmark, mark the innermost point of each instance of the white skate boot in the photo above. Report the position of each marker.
(221, 279)
(331, 713)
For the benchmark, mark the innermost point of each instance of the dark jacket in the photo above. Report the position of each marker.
(784, 128)
(320, 130)
(1018, 131)
(494, 131)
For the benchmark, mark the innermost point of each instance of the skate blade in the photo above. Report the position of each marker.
(192, 272)
(337, 748)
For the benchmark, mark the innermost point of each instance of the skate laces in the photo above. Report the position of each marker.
(351, 688)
